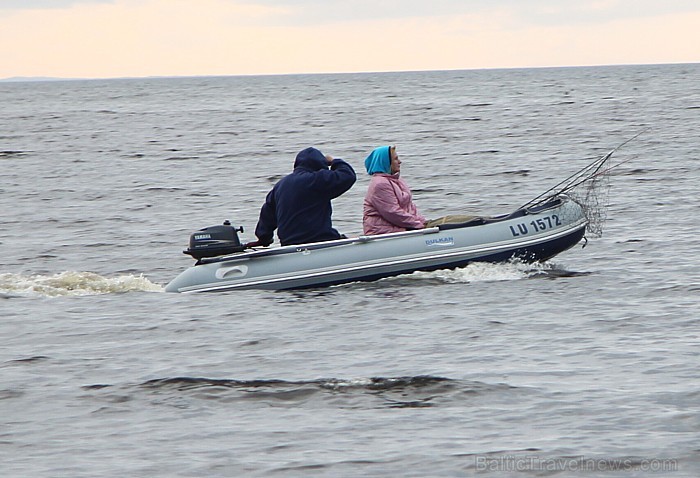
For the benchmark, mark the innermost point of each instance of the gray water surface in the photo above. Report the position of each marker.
(586, 365)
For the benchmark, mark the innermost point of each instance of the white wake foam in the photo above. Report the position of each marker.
(485, 271)
(73, 283)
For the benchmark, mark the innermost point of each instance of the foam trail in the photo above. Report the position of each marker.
(73, 283)
(486, 271)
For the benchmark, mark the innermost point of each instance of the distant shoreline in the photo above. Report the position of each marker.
(23, 79)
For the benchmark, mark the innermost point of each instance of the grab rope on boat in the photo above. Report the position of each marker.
(589, 187)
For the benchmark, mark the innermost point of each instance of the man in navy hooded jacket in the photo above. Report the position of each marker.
(299, 205)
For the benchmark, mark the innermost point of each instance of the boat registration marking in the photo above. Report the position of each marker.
(440, 241)
(541, 224)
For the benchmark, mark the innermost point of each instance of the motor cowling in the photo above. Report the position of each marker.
(215, 241)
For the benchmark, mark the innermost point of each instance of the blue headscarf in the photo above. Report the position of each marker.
(379, 160)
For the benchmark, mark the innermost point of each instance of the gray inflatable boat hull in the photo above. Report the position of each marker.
(534, 234)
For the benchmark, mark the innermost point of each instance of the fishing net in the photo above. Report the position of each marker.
(589, 187)
(592, 195)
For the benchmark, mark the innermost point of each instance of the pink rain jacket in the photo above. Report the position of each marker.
(388, 206)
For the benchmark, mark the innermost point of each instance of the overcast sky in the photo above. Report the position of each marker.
(116, 38)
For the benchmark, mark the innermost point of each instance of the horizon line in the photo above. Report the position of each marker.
(28, 79)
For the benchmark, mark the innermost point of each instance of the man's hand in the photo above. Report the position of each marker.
(257, 243)
(329, 158)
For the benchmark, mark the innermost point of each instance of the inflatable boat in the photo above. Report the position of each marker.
(534, 233)
(547, 225)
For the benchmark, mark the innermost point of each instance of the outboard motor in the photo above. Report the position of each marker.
(215, 241)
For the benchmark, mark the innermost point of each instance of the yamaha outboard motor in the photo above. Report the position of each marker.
(215, 241)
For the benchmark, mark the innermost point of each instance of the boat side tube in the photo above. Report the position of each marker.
(312, 246)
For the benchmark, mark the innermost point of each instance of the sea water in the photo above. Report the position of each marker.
(585, 364)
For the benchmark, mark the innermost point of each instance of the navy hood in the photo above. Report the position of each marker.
(311, 159)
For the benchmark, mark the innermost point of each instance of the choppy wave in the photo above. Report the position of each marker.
(375, 392)
(73, 283)
(11, 154)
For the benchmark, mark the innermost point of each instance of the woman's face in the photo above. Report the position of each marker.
(395, 161)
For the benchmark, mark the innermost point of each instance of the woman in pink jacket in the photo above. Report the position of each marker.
(388, 205)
